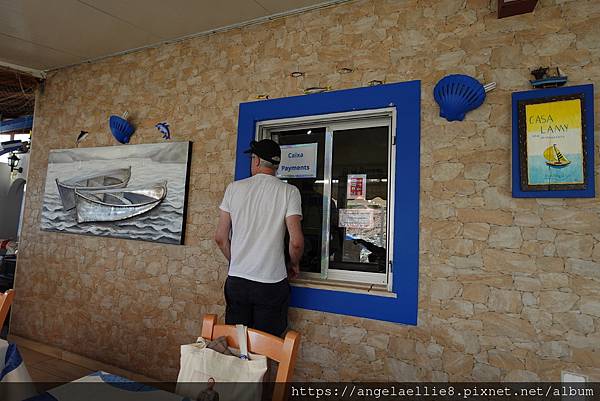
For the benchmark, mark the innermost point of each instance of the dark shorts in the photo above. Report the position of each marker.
(261, 306)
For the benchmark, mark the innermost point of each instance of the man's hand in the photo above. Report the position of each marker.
(293, 271)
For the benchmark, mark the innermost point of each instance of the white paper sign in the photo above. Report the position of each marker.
(356, 218)
(298, 161)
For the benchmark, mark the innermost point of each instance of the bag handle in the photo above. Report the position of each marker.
(242, 334)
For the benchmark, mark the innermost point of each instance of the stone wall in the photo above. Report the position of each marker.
(509, 288)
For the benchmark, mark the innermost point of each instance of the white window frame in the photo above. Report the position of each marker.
(337, 122)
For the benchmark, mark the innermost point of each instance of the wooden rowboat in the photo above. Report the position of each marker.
(118, 178)
(118, 204)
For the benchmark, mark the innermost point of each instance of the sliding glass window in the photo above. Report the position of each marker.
(345, 178)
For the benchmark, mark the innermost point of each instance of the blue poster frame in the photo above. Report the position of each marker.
(402, 307)
(587, 93)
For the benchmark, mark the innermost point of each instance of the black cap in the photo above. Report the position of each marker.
(266, 149)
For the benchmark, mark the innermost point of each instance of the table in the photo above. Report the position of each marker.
(103, 386)
(15, 382)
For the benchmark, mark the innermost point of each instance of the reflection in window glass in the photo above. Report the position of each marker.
(5, 138)
(360, 192)
(311, 191)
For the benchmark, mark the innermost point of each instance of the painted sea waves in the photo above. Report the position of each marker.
(150, 164)
(540, 173)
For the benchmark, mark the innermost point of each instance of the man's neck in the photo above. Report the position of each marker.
(266, 171)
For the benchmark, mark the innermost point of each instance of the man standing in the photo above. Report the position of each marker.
(257, 211)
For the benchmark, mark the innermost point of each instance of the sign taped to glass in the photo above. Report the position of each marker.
(357, 218)
(357, 186)
(298, 161)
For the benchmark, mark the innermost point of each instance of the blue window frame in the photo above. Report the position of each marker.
(406, 99)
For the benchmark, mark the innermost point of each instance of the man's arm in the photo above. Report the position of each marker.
(296, 246)
(222, 234)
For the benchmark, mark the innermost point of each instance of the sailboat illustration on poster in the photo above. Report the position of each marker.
(554, 157)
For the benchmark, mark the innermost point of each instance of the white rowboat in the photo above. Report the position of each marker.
(118, 204)
(118, 178)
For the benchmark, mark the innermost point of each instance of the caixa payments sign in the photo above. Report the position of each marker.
(298, 161)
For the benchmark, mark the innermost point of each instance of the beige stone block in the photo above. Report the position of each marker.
(445, 229)
(556, 301)
(504, 301)
(476, 292)
(502, 324)
(521, 376)
(579, 221)
(477, 171)
(378, 340)
(555, 349)
(590, 307)
(457, 363)
(447, 171)
(546, 234)
(527, 219)
(550, 264)
(554, 280)
(458, 246)
(527, 283)
(460, 308)
(484, 216)
(444, 289)
(583, 268)
(574, 246)
(504, 360)
(318, 354)
(400, 371)
(348, 334)
(505, 237)
(529, 233)
(476, 231)
(402, 348)
(466, 262)
(507, 262)
(577, 321)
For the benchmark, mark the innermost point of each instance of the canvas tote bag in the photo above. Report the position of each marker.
(236, 377)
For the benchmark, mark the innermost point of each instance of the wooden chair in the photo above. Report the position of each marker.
(283, 351)
(6, 300)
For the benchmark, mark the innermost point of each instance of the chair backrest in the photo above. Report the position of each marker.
(283, 351)
(6, 300)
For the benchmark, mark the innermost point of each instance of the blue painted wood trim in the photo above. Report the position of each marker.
(406, 98)
(588, 104)
(16, 124)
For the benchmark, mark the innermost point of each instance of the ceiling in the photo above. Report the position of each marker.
(45, 35)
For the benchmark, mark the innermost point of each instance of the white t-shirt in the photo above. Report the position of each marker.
(258, 207)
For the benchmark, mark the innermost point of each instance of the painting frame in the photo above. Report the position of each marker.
(123, 191)
(524, 181)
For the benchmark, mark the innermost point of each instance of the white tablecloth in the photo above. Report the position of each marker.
(13, 370)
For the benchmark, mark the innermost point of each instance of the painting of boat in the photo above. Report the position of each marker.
(118, 204)
(118, 178)
(554, 157)
(134, 192)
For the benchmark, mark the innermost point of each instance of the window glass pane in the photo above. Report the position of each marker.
(5, 138)
(311, 191)
(22, 137)
(360, 192)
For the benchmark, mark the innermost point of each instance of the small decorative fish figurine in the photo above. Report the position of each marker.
(81, 137)
(164, 129)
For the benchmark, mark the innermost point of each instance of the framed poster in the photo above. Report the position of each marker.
(553, 143)
(134, 192)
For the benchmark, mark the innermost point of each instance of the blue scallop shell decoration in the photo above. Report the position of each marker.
(458, 94)
(121, 128)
